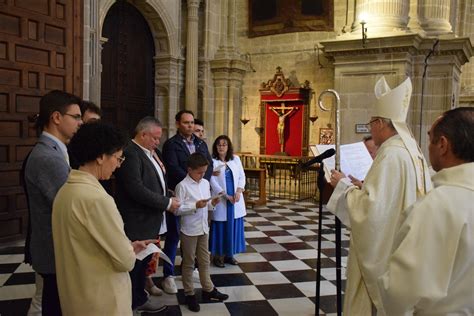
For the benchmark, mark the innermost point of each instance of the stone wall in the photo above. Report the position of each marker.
(231, 66)
(296, 54)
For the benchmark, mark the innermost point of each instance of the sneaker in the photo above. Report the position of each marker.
(152, 307)
(154, 290)
(214, 295)
(196, 276)
(169, 286)
(192, 303)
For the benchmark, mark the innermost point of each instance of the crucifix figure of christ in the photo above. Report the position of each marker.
(282, 112)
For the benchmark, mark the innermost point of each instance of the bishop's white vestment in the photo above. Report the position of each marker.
(373, 215)
(431, 271)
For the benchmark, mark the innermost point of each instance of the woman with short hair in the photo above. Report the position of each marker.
(93, 255)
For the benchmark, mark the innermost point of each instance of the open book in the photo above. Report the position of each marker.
(355, 159)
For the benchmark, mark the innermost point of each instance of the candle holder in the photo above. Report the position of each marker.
(364, 33)
(244, 120)
(313, 119)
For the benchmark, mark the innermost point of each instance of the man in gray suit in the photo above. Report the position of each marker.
(141, 198)
(46, 170)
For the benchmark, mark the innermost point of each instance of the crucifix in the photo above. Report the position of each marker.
(282, 112)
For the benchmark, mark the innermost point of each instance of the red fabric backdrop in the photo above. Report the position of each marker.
(293, 132)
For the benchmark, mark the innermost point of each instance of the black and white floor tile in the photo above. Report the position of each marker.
(276, 275)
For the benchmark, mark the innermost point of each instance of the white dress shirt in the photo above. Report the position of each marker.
(193, 221)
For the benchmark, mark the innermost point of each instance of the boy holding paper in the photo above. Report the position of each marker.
(194, 192)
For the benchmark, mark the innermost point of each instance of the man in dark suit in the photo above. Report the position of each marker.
(45, 172)
(176, 151)
(141, 199)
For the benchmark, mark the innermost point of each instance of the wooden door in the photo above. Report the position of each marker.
(40, 50)
(127, 92)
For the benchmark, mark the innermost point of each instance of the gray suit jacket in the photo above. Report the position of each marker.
(45, 173)
(140, 197)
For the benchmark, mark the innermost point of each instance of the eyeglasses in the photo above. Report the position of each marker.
(369, 124)
(77, 117)
(120, 159)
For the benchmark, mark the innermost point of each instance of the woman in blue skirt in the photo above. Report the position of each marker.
(227, 221)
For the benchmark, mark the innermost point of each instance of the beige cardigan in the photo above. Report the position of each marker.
(93, 255)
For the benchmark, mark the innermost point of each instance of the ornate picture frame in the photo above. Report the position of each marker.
(326, 136)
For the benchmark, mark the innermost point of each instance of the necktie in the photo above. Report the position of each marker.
(162, 166)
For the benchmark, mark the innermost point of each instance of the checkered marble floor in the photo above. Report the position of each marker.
(275, 276)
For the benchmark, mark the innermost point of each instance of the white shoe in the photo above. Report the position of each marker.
(169, 286)
(196, 276)
(155, 291)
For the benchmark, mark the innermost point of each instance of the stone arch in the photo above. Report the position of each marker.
(165, 36)
(165, 40)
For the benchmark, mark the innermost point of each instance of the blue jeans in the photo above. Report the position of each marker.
(171, 243)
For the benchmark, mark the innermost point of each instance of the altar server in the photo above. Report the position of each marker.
(431, 270)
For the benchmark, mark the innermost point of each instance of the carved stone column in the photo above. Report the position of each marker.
(228, 77)
(434, 16)
(383, 15)
(191, 96)
(167, 92)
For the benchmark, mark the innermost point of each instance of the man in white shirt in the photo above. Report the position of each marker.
(194, 192)
(142, 200)
(431, 268)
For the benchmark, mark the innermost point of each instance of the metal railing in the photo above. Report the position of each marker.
(280, 177)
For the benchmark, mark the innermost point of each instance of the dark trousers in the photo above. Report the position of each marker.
(137, 276)
(171, 243)
(50, 301)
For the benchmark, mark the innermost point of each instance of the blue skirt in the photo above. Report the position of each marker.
(227, 238)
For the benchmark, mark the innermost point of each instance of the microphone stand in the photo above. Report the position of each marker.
(321, 184)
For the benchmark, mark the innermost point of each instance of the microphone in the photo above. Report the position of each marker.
(318, 159)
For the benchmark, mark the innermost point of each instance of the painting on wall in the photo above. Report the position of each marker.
(284, 16)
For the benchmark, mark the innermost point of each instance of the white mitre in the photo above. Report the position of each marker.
(393, 104)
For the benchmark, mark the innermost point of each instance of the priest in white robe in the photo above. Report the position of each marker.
(431, 270)
(398, 177)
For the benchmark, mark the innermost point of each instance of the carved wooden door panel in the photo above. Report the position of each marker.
(127, 92)
(40, 50)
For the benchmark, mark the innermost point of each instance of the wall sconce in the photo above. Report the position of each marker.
(363, 22)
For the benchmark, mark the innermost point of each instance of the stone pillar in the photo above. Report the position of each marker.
(228, 78)
(382, 15)
(434, 16)
(92, 51)
(191, 90)
(167, 93)
(231, 24)
(413, 21)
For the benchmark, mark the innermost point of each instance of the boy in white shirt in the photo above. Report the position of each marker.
(194, 192)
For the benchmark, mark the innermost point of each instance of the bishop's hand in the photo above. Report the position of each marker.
(336, 176)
